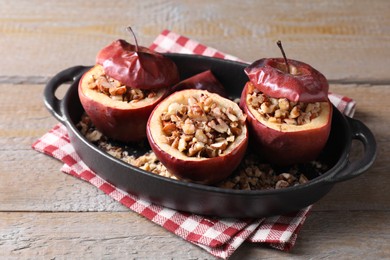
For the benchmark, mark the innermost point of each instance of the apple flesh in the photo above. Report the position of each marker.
(119, 120)
(283, 144)
(197, 169)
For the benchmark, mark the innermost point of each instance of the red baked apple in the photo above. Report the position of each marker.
(121, 90)
(289, 113)
(199, 136)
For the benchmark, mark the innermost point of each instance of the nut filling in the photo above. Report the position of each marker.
(281, 110)
(116, 90)
(201, 128)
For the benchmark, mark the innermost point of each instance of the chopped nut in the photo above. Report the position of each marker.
(303, 179)
(220, 145)
(231, 138)
(290, 121)
(196, 148)
(267, 108)
(189, 127)
(196, 112)
(287, 177)
(94, 136)
(283, 104)
(182, 145)
(136, 94)
(281, 110)
(274, 119)
(191, 101)
(282, 184)
(295, 112)
(117, 91)
(169, 128)
(222, 127)
(200, 136)
(230, 115)
(175, 143)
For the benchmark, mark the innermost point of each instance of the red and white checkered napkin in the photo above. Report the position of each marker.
(219, 236)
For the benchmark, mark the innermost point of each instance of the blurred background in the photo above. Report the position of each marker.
(329, 35)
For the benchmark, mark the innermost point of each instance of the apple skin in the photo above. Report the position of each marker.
(121, 123)
(204, 80)
(199, 170)
(137, 66)
(282, 147)
(304, 83)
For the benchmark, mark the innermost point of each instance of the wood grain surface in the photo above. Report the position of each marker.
(45, 214)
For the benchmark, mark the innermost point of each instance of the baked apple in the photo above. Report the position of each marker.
(199, 136)
(289, 113)
(121, 90)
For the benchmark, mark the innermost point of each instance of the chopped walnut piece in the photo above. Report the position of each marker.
(282, 184)
(200, 136)
(302, 179)
(169, 128)
(119, 91)
(94, 136)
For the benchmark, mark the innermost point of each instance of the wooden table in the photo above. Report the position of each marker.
(47, 214)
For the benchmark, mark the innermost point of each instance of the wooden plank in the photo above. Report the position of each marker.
(367, 188)
(88, 236)
(37, 184)
(30, 180)
(334, 235)
(344, 40)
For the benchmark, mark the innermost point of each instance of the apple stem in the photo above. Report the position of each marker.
(279, 43)
(135, 38)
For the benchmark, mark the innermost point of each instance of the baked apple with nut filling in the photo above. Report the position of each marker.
(199, 136)
(121, 90)
(289, 113)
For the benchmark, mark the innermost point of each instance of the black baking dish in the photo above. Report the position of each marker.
(202, 199)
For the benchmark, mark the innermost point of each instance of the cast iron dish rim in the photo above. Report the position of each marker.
(342, 161)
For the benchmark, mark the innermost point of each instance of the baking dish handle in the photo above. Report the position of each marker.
(52, 103)
(361, 133)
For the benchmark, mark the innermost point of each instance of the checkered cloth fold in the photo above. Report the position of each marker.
(219, 236)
